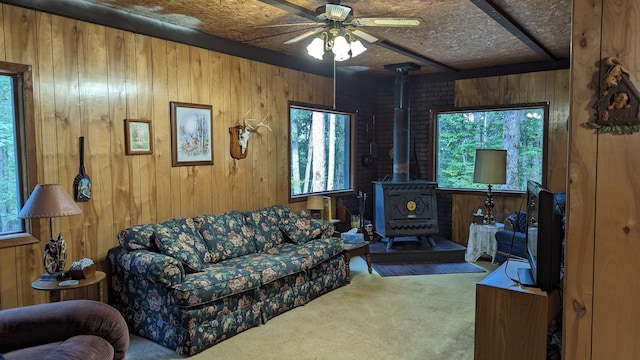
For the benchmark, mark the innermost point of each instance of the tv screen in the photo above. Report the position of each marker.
(544, 236)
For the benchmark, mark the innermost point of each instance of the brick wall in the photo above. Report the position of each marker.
(377, 98)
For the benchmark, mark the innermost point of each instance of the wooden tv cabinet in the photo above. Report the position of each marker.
(512, 320)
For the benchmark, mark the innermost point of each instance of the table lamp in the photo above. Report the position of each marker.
(315, 205)
(49, 201)
(490, 168)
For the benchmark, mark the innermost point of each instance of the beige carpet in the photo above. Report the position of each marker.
(427, 317)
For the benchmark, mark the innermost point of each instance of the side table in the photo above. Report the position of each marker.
(355, 249)
(54, 288)
(482, 240)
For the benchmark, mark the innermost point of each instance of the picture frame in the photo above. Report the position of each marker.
(191, 134)
(138, 135)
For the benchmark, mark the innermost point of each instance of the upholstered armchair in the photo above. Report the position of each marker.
(512, 240)
(74, 329)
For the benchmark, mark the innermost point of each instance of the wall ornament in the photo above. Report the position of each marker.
(618, 104)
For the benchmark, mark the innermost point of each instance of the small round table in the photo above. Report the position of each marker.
(482, 240)
(54, 288)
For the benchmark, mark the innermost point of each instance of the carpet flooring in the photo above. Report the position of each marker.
(426, 268)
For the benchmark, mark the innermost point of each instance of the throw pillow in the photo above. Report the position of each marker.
(179, 239)
(521, 221)
(227, 235)
(300, 229)
(138, 237)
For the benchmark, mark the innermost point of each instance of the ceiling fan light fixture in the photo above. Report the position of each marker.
(316, 48)
(357, 48)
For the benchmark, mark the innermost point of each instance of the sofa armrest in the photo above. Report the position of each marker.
(155, 267)
(41, 324)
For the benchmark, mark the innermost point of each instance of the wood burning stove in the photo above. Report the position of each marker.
(406, 209)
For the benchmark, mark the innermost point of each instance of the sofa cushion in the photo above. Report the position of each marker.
(300, 228)
(266, 224)
(227, 235)
(179, 239)
(272, 266)
(138, 237)
(215, 282)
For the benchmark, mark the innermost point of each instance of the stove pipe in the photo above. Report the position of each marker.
(401, 121)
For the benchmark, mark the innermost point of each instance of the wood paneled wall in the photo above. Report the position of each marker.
(602, 267)
(549, 86)
(89, 78)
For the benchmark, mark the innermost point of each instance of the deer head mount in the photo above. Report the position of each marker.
(240, 135)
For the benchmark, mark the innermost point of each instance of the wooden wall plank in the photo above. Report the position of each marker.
(200, 87)
(8, 279)
(161, 130)
(172, 90)
(616, 266)
(131, 101)
(217, 91)
(183, 84)
(120, 170)
(581, 187)
(145, 95)
(97, 128)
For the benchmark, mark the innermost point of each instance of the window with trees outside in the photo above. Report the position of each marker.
(15, 88)
(321, 151)
(519, 129)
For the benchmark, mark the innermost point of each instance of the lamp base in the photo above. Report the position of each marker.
(57, 276)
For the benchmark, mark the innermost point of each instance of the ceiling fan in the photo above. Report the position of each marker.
(337, 28)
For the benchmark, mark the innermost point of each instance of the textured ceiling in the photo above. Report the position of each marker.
(460, 35)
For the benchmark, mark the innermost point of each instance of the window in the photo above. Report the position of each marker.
(519, 129)
(321, 153)
(15, 113)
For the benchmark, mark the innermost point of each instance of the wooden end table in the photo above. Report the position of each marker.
(54, 288)
(355, 249)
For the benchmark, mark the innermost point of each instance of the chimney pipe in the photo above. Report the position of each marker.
(401, 120)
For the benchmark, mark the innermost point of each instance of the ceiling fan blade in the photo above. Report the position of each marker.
(364, 35)
(304, 36)
(289, 24)
(390, 22)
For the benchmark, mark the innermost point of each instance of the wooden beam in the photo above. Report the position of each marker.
(513, 27)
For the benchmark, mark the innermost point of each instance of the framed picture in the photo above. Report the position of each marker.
(138, 137)
(191, 139)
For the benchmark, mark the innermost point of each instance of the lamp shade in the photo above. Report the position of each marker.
(315, 203)
(47, 201)
(490, 166)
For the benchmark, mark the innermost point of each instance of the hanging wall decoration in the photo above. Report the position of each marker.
(617, 107)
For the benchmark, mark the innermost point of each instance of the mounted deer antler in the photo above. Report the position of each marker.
(240, 135)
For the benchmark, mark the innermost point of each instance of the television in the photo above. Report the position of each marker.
(544, 237)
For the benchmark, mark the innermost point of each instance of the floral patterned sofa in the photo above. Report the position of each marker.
(189, 283)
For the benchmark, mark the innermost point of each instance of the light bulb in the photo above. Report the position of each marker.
(316, 48)
(340, 48)
(357, 48)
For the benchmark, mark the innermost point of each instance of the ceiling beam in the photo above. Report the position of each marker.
(499, 70)
(513, 27)
(114, 18)
(291, 8)
(413, 55)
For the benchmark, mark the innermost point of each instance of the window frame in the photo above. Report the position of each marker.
(352, 151)
(26, 147)
(519, 106)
